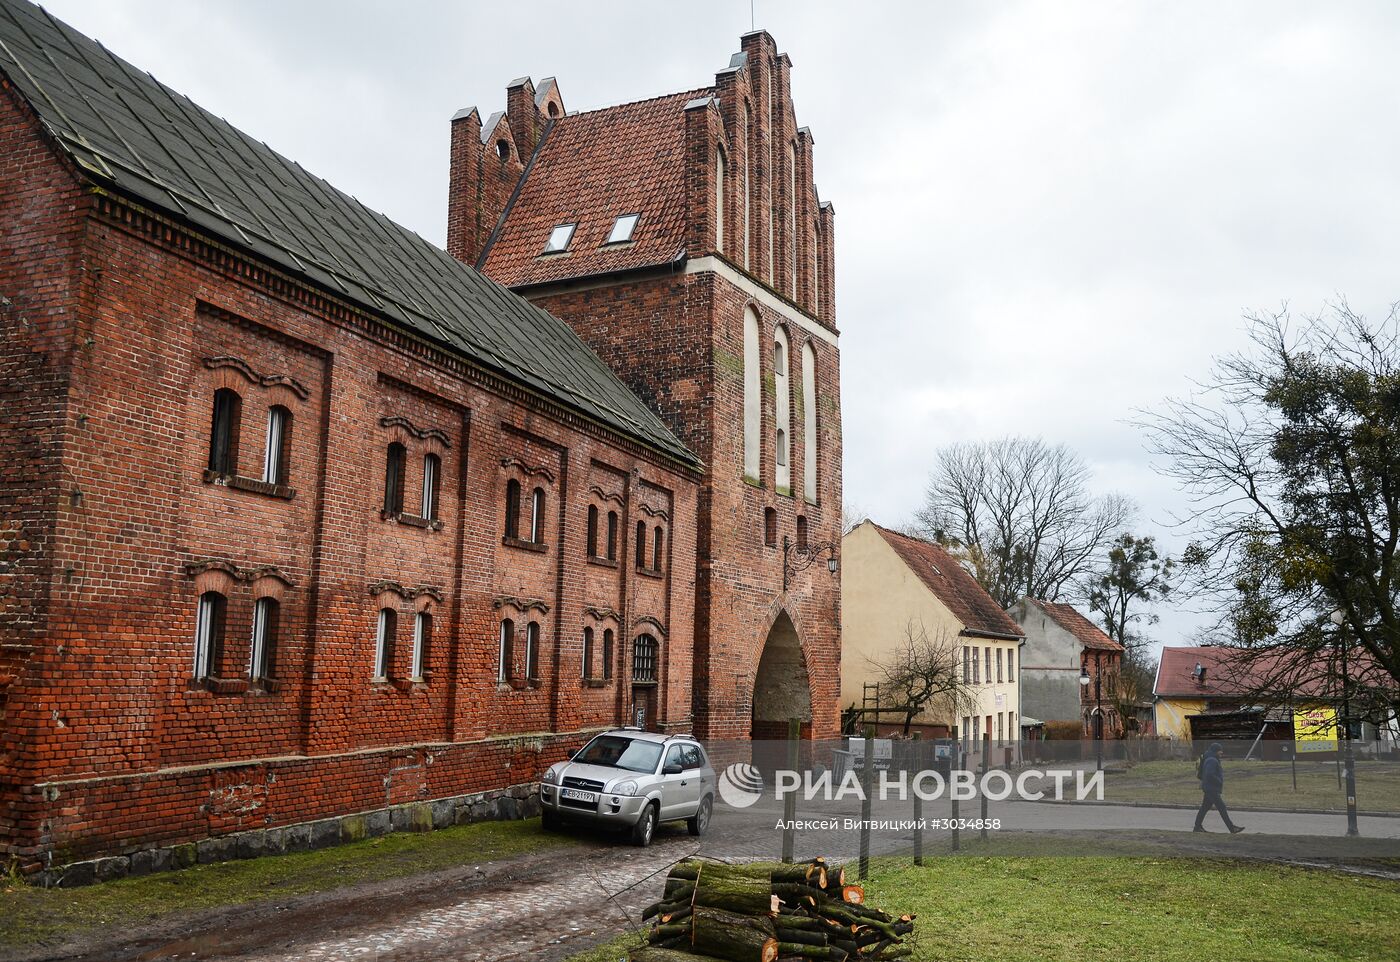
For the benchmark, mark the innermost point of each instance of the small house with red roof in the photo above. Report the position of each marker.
(893, 586)
(1063, 646)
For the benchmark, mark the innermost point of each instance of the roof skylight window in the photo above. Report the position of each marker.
(559, 238)
(623, 228)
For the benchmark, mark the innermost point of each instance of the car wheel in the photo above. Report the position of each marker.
(700, 821)
(549, 821)
(645, 827)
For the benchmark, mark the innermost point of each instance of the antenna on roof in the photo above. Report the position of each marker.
(752, 27)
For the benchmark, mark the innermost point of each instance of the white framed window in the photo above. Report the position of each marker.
(432, 468)
(208, 633)
(505, 653)
(263, 651)
(559, 239)
(386, 629)
(422, 637)
(279, 422)
(532, 651)
(623, 228)
(537, 516)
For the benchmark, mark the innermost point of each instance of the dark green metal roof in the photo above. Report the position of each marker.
(132, 134)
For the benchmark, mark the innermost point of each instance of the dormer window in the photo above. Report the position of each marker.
(559, 239)
(623, 228)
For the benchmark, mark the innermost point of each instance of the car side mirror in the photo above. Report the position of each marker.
(671, 768)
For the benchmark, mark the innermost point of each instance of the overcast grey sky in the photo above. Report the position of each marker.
(1048, 214)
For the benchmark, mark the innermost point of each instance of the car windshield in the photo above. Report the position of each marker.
(615, 751)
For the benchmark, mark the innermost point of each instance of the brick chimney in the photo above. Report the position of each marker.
(464, 240)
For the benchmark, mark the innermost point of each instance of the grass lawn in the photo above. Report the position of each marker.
(1261, 785)
(32, 917)
(979, 909)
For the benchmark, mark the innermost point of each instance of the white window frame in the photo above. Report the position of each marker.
(276, 432)
(532, 644)
(380, 638)
(203, 641)
(430, 486)
(503, 642)
(416, 667)
(537, 516)
(257, 650)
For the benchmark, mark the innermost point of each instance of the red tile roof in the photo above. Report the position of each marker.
(592, 168)
(1069, 618)
(1232, 671)
(951, 584)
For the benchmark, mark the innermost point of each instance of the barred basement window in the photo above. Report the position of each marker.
(422, 641)
(537, 516)
(532, 651)
(384, 638)
(432, 470)
(223, 432)
(588, 653)
(644, 658)
(209, 633)
(505, 655)
(513, 509)
(263, 659)
(592, 531)
(393, 479)
(607, 654)
(279, 428)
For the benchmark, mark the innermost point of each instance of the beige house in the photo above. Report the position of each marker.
(892, 584)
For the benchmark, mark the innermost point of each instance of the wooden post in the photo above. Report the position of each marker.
(918, 803)
(986, 758)
(867, 777)
(790, 799)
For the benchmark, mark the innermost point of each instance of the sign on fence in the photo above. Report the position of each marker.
(1315, 729)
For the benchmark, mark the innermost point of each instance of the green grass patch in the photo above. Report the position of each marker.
(973, 908)
(1261, 785)
(33, 917)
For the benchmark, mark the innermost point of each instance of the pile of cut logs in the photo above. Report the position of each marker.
(767, 911)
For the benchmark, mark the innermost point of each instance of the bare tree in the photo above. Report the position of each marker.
(1019, 514)
(851, 516)
(1290, 454)
(922, 673)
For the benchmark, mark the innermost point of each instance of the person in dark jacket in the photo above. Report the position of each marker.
(1213, 790)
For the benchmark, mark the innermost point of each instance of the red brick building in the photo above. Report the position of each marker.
(309, 531)
(683, 238)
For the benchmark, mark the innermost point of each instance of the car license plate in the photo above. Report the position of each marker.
(578, 795)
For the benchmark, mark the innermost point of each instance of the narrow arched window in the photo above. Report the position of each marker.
(279, 432)
(809, 423)
(782, 413)
(537, 516)
(612, 535)
(753, 397)
(656, 542)
(770, 527)
(592, 531)
(532, 651)
(422, 643)
(262, 662)
(505, 653)
(719, 200)
(384, 638)
(641, 546)
(393, 479)
(792, 217)
(607, 654)
(432, 471)
(644, 658)
(588, 653)
(801, 532)
(513, 509)
(209, 634)
(223, 432)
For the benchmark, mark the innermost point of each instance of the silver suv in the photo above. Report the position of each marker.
(632, 779)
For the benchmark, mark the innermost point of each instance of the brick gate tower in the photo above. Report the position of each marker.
(682, 237)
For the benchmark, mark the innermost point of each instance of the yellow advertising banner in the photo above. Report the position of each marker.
(1315, 729)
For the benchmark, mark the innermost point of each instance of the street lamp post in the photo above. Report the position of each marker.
(1098, 707)
(798, 557)
(1338, 618)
